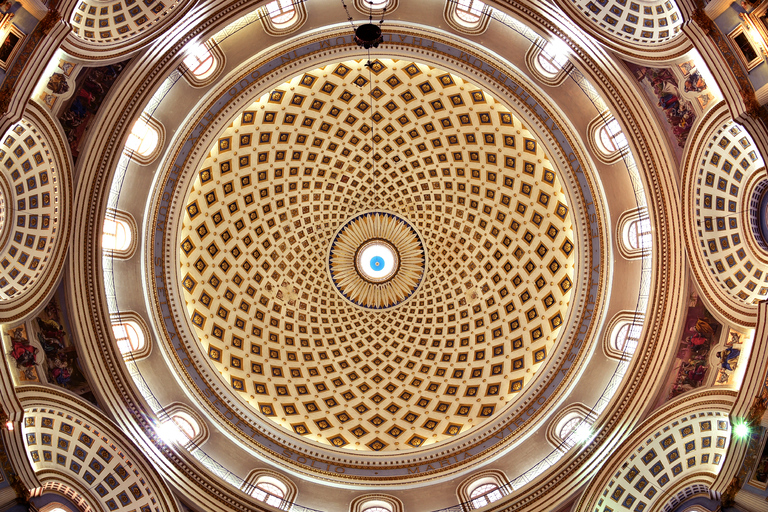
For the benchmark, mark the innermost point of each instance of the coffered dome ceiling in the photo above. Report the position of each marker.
(478, 224)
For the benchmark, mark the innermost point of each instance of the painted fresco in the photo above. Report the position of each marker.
(760, 475)
(692, 368)
(60, 85)
(662, 87)
(44, 352)
(726, 358)
(92, 86)
(679, 94)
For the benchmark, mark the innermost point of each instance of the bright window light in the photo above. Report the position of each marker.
(485, 494)
(143, 138)
(269, 493)
(282, 12)
(116, 235)
(611, 136)
(553, 56)
(170, 432)
(200, 62)
(741, 430)
(129, 337)
(582, 433)
(469, 11)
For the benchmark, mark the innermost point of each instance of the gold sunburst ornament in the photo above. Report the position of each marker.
(377, 260)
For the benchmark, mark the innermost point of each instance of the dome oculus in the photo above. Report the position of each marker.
(376, 260)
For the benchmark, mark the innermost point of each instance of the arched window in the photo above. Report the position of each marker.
(270, 491)
(467, 16)
(627, 337)
(376, 503)
(484, 494)
(130, 335)
(567, 428)
(375, 7)
(180, 428)
(548, 61)
(200, 61)
(482, 488)
(553, 57)
(270, 487)
(145, 140)
(611, 136)
(623, 335)
(574, 429)
(180, 425)
(607, 139)
(635, 234)
(281, 17)
(282, 12)
(639, 233)
(203, 63)
(469, 11)
(570, 426)
(116, 235)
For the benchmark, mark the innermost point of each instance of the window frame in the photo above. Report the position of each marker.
(138, 324)
(459, 24)
(384, 7)
(217, 67)
(280, 28)
(536, 53)
(125, 219)
(624, 226)
(634, 322)
(606, 123)
(469, 485)
(263, 476)
(145, 157)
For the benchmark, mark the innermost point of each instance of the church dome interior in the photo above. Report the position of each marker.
(505, 256)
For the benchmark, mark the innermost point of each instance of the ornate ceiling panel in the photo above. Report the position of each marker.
(31, 195)
(56, 440)
(730, 172)
(401, 138)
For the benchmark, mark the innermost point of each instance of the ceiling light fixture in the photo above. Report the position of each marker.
(367, 35)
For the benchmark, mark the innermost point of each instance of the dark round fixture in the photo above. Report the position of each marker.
(368, 36)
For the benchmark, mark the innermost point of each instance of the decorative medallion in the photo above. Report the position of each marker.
(376, 260)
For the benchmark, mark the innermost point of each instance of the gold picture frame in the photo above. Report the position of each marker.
(10, 46)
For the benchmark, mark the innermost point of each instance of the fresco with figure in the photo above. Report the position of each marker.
(679, 95)
(693, 367)
(42, 350)
(726, 358)
(92, 86)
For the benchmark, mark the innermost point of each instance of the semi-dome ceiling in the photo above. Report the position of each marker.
(406, 139)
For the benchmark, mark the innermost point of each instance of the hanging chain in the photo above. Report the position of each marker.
(349, 17)
(369, 65)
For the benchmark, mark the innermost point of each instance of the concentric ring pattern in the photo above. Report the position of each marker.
(294, 167)
(363, 287)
